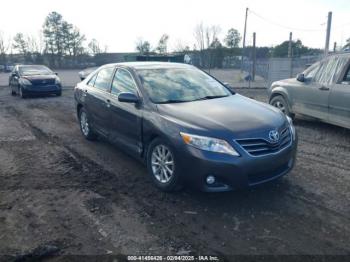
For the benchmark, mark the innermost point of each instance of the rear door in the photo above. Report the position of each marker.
(97, 97)
(125, 118)
(339, 102)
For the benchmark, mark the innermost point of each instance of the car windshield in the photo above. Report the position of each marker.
(176, 85)
(34, 70)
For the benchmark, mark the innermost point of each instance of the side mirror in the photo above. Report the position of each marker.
(56, 73)
(301, 78)
(128, 98)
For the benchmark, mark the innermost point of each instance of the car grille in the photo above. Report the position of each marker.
(43, 82)
(259, 146)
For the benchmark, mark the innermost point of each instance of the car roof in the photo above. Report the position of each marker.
(151, 65)
(340, 54)
(31, 66)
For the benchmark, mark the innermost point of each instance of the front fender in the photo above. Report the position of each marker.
(279, 90)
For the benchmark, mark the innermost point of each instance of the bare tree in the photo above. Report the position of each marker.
(211, 34)
(204, 37)
(199, 36)
(180, 47)
(20, 44)
(143, 47)
(33, 44)
(94, 47)
(4, 47)
(162, 47)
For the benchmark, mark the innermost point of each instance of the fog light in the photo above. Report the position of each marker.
(210, 180)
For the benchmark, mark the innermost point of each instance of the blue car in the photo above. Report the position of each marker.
(28, 80)
(186, 126)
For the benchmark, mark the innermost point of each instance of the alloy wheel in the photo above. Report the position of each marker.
(84, 124)
(163, 166)
(280, 106)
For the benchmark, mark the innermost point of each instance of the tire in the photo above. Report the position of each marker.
(280, 103)
(21, 94)
(85, 126)
(162, 166)
(13, 93)
(59, 93)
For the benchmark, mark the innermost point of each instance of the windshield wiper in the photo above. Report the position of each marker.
(211, 97)
(171, 101)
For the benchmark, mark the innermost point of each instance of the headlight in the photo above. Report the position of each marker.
(209, 144)
(25, 82)
(57, 81)
(291, 126)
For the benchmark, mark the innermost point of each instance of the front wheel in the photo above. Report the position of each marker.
(162, 166)
(280, 103)
(85, 126)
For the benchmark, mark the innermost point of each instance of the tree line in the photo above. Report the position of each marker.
(59, 44)
(212, 51)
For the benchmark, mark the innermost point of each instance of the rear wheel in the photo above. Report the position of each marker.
(280, 103)
(162, 166)
(85, 126)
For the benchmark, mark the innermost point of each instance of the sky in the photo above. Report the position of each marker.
(118, 24)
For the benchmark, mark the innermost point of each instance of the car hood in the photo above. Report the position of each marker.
(236, 114)
(285, 82)
(40, 77)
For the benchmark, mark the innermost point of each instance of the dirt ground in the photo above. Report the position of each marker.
(61, 194)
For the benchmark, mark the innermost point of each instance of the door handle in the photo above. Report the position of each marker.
(324, 88)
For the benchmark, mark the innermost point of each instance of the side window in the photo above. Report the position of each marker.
(311, 71)
(347, 76)
(92, 80)
(123, 82)
(103, 79)
(327, 72)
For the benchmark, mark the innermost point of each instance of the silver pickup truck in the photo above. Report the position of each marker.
(322, 91)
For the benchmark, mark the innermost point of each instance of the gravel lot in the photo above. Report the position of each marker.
(60, 194)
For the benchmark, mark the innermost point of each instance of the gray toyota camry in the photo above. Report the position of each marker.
(186, 126)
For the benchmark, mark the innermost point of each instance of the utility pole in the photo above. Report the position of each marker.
(290, 54)
(290, 45)
(254, 57)
(335, 47)
(328, 33)
(244, 36)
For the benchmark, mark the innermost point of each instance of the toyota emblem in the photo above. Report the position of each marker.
(274, 136)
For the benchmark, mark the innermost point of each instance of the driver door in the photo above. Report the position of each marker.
(339, 102)
(312, 98)
(125, 119)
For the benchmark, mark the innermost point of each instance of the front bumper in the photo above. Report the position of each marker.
(231, 172)
(36, 90)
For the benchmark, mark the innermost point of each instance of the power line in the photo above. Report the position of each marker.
(283, 26)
